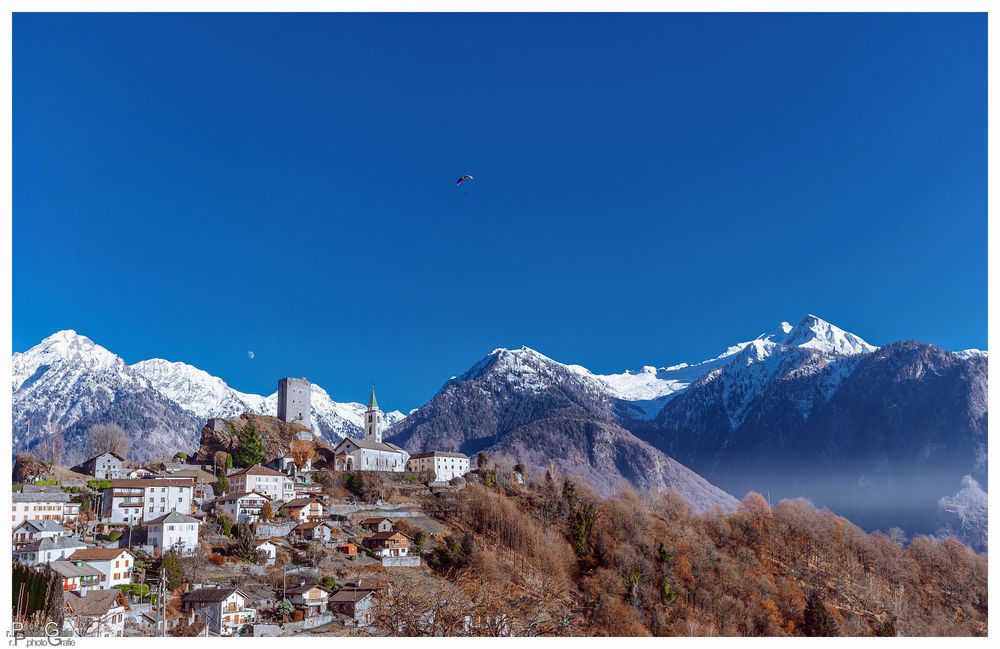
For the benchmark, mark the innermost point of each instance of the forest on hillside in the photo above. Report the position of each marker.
(550, 557)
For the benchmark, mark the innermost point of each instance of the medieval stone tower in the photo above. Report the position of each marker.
(294, 401)
(373, 420)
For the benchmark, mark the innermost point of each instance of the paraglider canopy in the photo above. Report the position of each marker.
(250, 354)
(463, 179)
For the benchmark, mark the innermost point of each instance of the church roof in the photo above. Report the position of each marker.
(370, 445)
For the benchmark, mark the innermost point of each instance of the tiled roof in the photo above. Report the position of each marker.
(136, 483)
(97, 554)
(211, 594)
(257, 469)
(96, 603)
(173, 517)
(460, 456)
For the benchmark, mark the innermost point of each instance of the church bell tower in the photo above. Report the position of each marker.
(373, 420)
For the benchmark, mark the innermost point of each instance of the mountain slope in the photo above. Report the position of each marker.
(523, 403)
(67, 382)
(879, 436)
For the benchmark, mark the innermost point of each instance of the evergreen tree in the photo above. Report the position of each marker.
(221, 485)
(171, 569)
(229, 461)
(227, 527)
(246, 548)
(817, 620)
(251, 448)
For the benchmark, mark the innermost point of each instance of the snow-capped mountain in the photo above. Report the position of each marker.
(522, 403)
(69, 382)
(208, 396)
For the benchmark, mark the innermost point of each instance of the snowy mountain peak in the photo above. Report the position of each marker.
(815, 333)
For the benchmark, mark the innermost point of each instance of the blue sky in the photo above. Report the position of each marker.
(648, 188)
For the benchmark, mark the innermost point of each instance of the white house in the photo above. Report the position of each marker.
(263, 480)
(78, 576)
(243, 507)
(223, 610)
(369, 453)
(133, 501)
(115, 564)
(38, 506)
(30, 531)
(269, 549)
(106, 466)
(316, 531)
(98, 613)
(48, 549)
(173, 530)
(311, 600)
(443, 464)
(304, 509)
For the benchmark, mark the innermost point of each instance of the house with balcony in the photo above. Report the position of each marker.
(114, 564)
(53, 548)
(388, 544)
(304, 509)
(76, 575)
(312, 600)
(223, 610)
(243, 507)
(96, 613)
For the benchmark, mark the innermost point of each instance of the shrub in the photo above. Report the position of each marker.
(46, 483)
(216, 558)
(181, 456)
(114, 536)
(99, 485)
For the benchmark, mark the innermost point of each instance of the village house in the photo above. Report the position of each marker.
(304, 509)
(243, 507)
(97, 613)
(30, 531)
(269, 550)
(173, 530)
(355, 602)
(263, 480)
(444, 465)
(377, 525)
(370, 453)
(114, 564)
(311, 600)
(315, 531)
(139, 473)
(133, 501)
(223, 610)
(38, 506)
(71, 512)
(76, 575)
(348, 548)
(388, 544)
(52, 548)
(106, 466)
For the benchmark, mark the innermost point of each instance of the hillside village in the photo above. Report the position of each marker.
(282, 531)
(269, 530)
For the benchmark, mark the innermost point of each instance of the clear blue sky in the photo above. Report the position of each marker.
(648, 188)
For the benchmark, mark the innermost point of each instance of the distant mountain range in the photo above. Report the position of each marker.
(883, 435)
(69, 382)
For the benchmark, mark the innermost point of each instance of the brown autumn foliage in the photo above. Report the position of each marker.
(555, 559)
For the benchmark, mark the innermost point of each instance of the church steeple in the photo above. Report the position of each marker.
(373, 420)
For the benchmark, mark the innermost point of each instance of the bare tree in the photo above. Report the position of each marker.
(303, 452)
(102, 438)
(52, 448)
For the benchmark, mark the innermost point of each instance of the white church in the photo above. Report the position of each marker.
(370, 453)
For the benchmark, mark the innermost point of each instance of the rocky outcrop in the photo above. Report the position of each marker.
(223, 435)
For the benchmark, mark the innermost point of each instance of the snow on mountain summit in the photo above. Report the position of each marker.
(815, 333)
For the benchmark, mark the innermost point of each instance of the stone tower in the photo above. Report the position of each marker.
(373, 420)
(294, 403)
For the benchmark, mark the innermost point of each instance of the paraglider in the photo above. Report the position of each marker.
(250, 354)
(463, 179)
